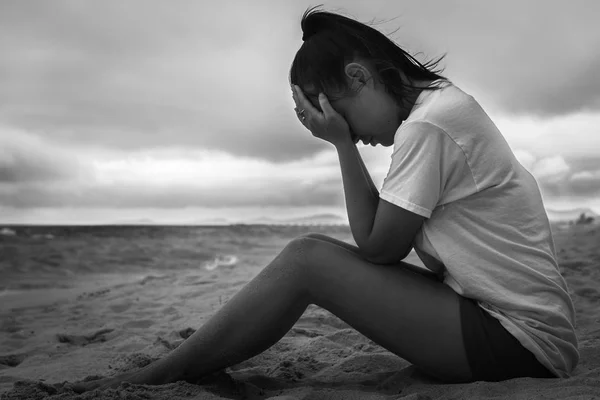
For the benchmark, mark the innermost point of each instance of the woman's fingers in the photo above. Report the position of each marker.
(302, 121)
(297, 108)
(304, 104)
(294, 97)
(328, 111)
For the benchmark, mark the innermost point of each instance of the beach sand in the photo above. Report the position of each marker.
(106, 328)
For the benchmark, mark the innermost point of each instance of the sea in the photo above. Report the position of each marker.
(35, 258)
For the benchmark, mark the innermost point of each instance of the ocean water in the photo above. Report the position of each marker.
(47, 257)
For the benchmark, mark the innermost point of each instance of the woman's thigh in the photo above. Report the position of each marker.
(413, 316)
(356, 250)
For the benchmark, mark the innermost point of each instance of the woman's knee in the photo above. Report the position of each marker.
(317, 236)
(295, 260)
(298, 250)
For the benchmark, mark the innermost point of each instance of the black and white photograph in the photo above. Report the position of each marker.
(294, 200)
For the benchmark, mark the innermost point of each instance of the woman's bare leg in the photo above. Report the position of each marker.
(357, 251)
(408, 312)
(410, 315)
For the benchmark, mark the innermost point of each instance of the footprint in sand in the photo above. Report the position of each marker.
(171, 345)
(141, 324)
(170, 310)
(83, 340)
(151, 278)
(192, 281)
(133, 361)
(10, 325)
(119, 308)
(187, 332)
(86, 295)
(12, 360)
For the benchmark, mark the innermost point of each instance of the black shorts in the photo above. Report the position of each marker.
(493, 353)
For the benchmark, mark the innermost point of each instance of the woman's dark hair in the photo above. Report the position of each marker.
(331, 41)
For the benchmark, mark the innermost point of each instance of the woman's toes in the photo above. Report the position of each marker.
(102, 384)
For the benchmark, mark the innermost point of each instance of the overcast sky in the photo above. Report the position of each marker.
(180, 111)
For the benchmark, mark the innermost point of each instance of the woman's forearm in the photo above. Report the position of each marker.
(368, 177)
(361, 195)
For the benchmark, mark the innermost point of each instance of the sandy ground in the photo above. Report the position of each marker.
(105, 328)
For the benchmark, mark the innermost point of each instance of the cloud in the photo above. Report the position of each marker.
(25, 158)
(586, 176)
(550, 169)
(293, 194)
(586, 183)
(573, 136)
(212, 80)
(211, 76)
(562, 178)
(535, 57)
(557, 178)
(572, 189)
(525, 158)
(39, 174)
(141, 104)
(561, 152)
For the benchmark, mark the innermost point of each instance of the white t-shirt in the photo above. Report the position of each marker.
(486, 230)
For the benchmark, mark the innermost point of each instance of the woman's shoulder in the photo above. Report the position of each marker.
(453, 110)
(449, 96)
(440, 102)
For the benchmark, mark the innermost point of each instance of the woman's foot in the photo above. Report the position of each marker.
(107, 383)
(145, 376)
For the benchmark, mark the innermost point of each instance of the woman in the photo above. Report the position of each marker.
(492, 305)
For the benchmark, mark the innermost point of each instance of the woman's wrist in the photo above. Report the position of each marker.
(344, 143)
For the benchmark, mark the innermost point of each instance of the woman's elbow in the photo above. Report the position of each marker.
(382, 259)
(385, 258)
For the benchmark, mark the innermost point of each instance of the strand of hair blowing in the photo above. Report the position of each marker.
(314, 22)
(332, 40)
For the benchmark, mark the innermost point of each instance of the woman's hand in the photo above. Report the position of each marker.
(328, 125)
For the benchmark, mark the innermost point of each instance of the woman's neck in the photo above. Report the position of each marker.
(412, 96)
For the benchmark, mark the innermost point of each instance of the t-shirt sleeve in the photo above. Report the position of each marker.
(423, 159)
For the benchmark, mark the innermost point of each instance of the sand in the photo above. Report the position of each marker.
(103, 329)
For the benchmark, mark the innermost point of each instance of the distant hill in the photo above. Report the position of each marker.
(570, 215)
(316, 219)
(262, 221)
(138, 221)
(211, 221)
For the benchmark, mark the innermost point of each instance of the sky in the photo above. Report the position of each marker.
(180, 111)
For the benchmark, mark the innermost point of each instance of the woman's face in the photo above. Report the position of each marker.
(371, 113)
